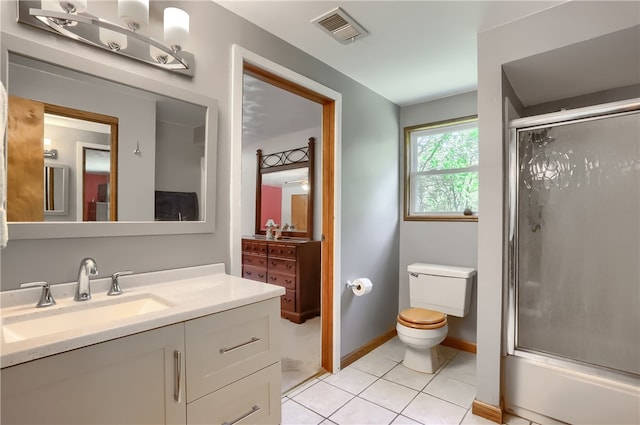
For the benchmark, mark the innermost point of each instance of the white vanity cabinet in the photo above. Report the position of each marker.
(127, 380)
(233, 371)
(223, 367)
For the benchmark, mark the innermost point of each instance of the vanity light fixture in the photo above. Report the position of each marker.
(70, 19)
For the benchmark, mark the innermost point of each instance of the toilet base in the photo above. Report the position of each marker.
(425, 361)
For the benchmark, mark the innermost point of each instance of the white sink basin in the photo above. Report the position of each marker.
(43, 322)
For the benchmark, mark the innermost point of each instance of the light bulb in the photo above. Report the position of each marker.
(134, 13)
(176, 27)
(112, 39)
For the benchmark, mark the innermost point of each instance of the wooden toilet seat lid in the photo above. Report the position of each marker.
(421, 318)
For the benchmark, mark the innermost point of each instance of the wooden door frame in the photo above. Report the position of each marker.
(331, 101)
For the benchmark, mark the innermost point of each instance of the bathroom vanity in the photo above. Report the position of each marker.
(197, 346)
(293, 264)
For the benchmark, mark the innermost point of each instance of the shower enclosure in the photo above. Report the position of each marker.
(574, 242)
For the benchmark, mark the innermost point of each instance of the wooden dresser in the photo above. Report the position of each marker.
(293, 264)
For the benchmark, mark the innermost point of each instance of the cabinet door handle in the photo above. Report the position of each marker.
(177, 369)
(253, 410)
(235, 347)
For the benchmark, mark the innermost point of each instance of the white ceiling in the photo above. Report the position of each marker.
(268, 112)
(415, 50)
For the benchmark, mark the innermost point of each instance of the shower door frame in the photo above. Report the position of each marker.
(512, 178)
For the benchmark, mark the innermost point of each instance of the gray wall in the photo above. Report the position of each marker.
(370, 217)
(177, 159)
(369, 168)
(564, 25)
(438, 242)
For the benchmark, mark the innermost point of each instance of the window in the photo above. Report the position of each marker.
(441, 162)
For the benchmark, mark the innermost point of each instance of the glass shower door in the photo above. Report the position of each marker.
(575, 258)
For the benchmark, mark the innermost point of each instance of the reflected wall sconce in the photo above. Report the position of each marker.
(69, 18)
(48, 152)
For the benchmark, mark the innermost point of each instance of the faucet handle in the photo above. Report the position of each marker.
(115, 286)
(46, 299)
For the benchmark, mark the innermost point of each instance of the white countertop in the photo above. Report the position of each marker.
(191, 292)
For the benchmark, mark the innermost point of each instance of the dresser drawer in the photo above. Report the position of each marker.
(254, 260)
(227, 346)
(286, 280)
(254, 273)
(288, 301)
(282, 250)
(282, 266)
(251, 246)
(253, 400)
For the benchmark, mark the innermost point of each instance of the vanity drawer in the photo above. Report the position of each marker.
(253, 400)
(286, 280)
(259, 274)
(228, 346)
(282, 266)
(282, 250)
(254, 260)
(288, 301)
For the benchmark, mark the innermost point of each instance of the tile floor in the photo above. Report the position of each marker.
(377, 389)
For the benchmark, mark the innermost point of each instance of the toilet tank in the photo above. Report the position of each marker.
(442, 288)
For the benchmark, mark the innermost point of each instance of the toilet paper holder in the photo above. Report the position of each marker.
(350, 284)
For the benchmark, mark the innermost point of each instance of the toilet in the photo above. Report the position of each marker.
(435, 291)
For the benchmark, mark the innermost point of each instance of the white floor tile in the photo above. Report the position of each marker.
(447, 352)
(451, 389)
(393, 349)
(323, 398)
(471, 419)
(374, 364)
(297, 390)
(359, 411)
(462, 367)
(351, 379)
(296, 414)
(390, 395)
(430, 410)
(408, 377)
(403, 420)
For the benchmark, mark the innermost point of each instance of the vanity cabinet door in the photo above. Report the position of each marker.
(130, 380)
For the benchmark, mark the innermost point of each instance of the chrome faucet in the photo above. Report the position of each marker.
(88, 268)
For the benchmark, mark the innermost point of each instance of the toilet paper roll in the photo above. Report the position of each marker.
(362, 286)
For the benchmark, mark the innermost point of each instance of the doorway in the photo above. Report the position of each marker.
(330, 100)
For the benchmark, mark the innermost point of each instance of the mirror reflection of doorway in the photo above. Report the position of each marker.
(299, 211)
(96, 175)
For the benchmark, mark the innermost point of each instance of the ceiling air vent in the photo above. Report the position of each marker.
(340, 26)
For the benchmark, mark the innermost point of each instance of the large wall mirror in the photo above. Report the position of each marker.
(284, 191)
(136, 153)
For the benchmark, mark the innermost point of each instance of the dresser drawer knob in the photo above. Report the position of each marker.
(235, 347)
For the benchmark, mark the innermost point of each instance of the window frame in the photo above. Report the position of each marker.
(409, 157)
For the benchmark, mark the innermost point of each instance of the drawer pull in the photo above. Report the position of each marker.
(177, 369)
(253, 410)
(226, 350)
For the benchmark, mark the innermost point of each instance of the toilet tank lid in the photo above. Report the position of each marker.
(440, 270)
